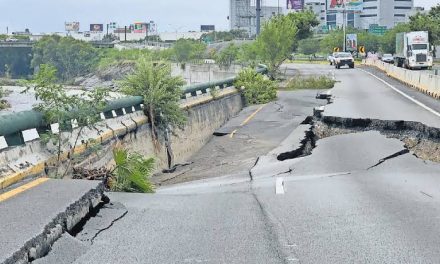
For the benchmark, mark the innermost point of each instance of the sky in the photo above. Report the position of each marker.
(169, 15)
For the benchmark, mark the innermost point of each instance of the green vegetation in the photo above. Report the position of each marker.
(312, 82)
(308, 46)
(186, 50)
(161, 92)
(71, 58)
(279, 37)
(15, 62)
(225, 35)
(228, 55)
(428, 22)
(3, 103)
(110, 57)
(58, 107)
(131, 173)
(257, 89)
(4, 37)
(274, 44)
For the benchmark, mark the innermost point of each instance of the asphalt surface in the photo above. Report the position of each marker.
(333, 206)
(28, 214)
(225, 154)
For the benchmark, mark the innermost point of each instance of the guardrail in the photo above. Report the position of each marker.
(16, 127)
(423, 81)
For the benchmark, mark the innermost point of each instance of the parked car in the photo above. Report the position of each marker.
(331, 58)
(343, 59)
(388, 58)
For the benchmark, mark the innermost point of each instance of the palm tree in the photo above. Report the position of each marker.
(131, 173)
(161, 92)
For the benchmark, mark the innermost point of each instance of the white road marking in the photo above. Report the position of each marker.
(279, 186)
(427, 108)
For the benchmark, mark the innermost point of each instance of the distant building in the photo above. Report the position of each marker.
(384, 13)
(242, 15)
(376, 13)
(414, 11)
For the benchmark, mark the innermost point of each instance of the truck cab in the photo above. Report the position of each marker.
(413, 50)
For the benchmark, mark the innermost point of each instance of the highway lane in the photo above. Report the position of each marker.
(336, 207)
(359, 95)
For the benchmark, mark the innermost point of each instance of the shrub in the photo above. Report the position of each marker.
(132, 172)
(3, 103)
(258, 89)
(313, 82)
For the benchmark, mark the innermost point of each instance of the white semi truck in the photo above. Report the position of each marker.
(413, 50)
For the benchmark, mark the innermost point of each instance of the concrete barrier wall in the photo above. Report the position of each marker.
(420, 80)
(204, 73)
(205, 115)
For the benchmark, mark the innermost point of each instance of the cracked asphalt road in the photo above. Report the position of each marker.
(236, 154)
(336, 205)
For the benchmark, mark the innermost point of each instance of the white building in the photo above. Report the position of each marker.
(384, 12)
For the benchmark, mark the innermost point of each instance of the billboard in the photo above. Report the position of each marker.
(140, 27)
(295, 4)
(351, 5)
(204, 28)
(71, 26)
(96, 27)
(351, 42)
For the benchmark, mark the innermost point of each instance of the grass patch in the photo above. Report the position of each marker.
(313, 82)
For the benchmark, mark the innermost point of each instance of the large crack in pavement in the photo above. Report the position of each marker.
(419, 139)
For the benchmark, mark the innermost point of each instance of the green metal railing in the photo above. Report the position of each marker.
(12, 125)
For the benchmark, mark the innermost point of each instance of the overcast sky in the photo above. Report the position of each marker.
(169, 15)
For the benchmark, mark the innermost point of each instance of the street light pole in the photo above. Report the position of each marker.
(344, 28)
(258, 14)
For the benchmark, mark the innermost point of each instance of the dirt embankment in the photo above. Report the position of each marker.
(106, 77)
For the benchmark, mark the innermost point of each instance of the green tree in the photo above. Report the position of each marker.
(228, 55)
(161, 92)
(275, 42)
(334, 39)
(15, 62)
(304, 21)
(248, 54)
(186, 50)
(58, 107)
(371, 42)
(70, 57)
(309, 46)
(428, 22)
(388, 40)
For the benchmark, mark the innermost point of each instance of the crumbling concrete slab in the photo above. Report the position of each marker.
(34, 219)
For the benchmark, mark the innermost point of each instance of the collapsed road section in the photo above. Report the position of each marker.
(421, 140)
(33, 220)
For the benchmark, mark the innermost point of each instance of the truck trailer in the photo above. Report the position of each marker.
(413, 50)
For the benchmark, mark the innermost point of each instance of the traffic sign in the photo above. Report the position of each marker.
(336, 49)
(362, 49)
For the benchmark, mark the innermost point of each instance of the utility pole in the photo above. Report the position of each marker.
(344, 13)
(258, 16)
(278, 7)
